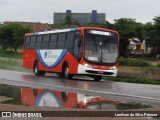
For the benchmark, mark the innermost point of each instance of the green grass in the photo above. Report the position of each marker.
(11, 92)
(133, 80)
(134, 62)
(10, 54)
(12, 65)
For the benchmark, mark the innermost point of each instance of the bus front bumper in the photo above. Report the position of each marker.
(90, 71)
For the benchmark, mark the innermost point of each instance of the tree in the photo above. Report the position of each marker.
(152, 34)
(156, 37)
(126, 28)
(56, 26)
(68, 22)
(139, 28)
(148, 32)
(12, 35)
(102, 25)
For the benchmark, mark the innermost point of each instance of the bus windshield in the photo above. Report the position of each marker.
(101, 47)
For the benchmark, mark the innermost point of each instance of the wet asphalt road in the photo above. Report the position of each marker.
(126, 92)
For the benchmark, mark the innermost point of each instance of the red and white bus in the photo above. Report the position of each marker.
(85, 50)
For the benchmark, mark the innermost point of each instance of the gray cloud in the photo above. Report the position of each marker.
(42, 10)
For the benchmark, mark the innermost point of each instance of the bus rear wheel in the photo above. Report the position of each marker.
(65, 72)
(97, 77)
(36, 71)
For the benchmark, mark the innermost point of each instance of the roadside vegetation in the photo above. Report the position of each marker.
(12, 36)
(131, 62)
(12, 64)
(139, 80)
(10, 54)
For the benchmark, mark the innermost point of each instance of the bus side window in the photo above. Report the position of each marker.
(53, 41)
(61, 41)
(33, 42)
(78, 46)
(70, 42)
(27, 43)
(45, 42)
(39, 42)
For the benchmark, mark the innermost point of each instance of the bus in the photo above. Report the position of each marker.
(87, 51)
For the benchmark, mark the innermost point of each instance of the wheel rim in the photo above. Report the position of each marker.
(66, 72)
(36, 69)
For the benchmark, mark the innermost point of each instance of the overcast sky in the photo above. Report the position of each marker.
(42, 10)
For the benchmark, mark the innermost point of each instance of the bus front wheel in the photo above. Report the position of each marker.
(65, 72)
(36, 71)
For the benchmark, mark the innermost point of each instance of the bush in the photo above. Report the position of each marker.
(158, 65)
(133, 62)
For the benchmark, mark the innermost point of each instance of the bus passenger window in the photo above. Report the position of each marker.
(53, 41)
(45, 42)
(69, 42)
(39, 39)
(27, 43)
(46, 38)
(39, 42)
(33, 39)
(61, 41)
(33, 42)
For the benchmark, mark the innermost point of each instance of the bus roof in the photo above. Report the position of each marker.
(64, 30)
(49, 32)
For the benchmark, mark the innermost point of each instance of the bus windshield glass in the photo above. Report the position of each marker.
(101, 47)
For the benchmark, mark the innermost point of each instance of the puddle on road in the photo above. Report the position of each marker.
(52, 98)
(41, 97)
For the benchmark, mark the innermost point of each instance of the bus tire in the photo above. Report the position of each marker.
(36, 71)
(97, 77)
(65, 72)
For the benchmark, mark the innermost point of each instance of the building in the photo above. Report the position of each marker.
(36, 26)
(82, 18)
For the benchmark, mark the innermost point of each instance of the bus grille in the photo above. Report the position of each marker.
(99, 72)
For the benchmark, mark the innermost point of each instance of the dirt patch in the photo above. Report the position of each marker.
(151, 73)
(4, 98)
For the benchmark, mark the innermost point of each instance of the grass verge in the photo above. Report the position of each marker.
(12, 65)
(133, 80)
(10, 54)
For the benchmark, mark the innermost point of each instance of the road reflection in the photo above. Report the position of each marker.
(51, 98)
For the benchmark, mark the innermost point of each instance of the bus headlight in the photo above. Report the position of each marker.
(87, 65)
(113, 68)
